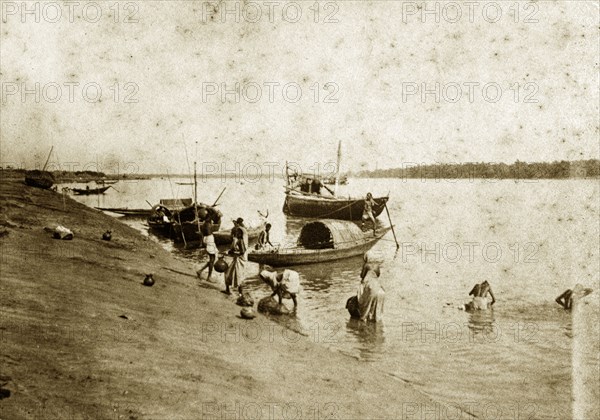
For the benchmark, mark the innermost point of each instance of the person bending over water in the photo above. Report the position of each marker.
(566, 299)
(480, 300)
(284, 285)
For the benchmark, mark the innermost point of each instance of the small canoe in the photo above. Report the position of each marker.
(321, 241)
(90, 191)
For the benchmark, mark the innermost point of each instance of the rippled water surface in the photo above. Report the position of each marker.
(530, 240)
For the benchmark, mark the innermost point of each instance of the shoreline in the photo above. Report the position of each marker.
(83, 338)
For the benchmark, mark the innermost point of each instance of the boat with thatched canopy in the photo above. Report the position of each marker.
(321, 241)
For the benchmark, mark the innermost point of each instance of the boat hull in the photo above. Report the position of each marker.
(338, 208)
(39, 179)
(314, 256)
(126, 211)
(91, 191)
(222, 237)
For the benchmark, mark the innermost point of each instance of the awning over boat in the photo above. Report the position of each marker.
(329, 233)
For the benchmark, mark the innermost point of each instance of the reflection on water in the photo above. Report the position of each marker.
(482, 322)
(370, 337)
(518, 355)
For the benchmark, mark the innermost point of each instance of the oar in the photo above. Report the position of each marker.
(391, 224)
(327, 188)
(149, 203)
(110, 186)
(217, 200)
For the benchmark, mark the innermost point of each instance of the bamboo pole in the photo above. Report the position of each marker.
(217, 200)
(391, 224)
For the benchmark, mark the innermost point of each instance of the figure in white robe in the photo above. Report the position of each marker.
(370, 294)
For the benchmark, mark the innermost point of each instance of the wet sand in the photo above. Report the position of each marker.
(81, 337)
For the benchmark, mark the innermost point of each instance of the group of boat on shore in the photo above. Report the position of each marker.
(330, 231)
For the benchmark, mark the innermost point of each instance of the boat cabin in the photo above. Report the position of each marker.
(329, 234)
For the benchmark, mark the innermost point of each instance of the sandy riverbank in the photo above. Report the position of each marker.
(82, 338)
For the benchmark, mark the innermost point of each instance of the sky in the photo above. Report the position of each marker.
(150, 86)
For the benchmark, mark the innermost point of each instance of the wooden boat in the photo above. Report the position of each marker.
(125, 211)
(106, 181)
(187, 222)
(184, 183)
(223, 237)
(39, 179)
(304, 199)
(90, 191)
(343, 180)
(321, 241)
(316, 206)
(161, 217)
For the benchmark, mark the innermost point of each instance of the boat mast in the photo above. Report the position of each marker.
(195, 184)
(337, 169)
(48, 160)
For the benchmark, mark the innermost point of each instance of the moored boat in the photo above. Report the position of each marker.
(317, 206)
(125, 211)
(321, 241)
(39, 179)
(161, 216)
(187, 222)
(304, 197)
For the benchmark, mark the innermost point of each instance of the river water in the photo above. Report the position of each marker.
(530, 239)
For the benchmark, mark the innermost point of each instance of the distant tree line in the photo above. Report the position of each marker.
(518, 170)
(59, 174)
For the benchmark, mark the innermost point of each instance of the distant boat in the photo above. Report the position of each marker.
(184, 183)
(321, 241)
(332, 180)
(90, 191)
(105, 182)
